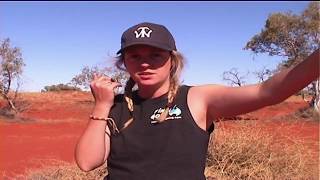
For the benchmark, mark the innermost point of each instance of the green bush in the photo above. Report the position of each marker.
(60, 87)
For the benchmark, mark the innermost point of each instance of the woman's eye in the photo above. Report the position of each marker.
(156, 56)
(134, 57)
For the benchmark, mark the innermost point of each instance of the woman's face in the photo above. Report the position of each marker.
(148, 65)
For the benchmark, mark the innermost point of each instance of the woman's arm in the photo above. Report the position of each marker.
(93, 147)
(221, 101)
(290, 81)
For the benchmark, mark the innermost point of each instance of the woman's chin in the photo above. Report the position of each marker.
(147, 82)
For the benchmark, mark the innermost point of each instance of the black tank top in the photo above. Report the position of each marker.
(172, 150)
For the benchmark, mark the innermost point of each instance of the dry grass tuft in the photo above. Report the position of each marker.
(250, 152)
(307, 113)
(66, 171)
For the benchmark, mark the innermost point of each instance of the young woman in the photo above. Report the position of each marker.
(161, 130)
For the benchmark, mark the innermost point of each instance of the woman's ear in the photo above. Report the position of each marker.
(120, 63)
(173, 65)
(124, 62)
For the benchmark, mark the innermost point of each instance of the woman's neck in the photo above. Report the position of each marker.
(150, 92)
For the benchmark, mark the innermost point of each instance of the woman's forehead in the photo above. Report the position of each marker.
(140, 47)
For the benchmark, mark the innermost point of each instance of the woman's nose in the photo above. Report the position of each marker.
(145, 64)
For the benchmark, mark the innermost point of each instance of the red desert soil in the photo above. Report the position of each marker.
(56, 120)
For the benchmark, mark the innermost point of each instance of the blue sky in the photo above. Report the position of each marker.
(59, 38)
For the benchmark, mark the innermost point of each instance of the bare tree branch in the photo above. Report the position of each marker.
(233, 77)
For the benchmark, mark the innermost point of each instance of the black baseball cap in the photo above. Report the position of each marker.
(147, 33)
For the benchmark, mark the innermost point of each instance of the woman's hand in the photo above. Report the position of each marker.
(102, 89)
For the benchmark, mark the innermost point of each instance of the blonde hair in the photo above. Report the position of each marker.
(177, 64)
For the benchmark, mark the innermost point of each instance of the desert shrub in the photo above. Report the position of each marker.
(60, 87)
(20, 105)
(249, 152)
(307, 113)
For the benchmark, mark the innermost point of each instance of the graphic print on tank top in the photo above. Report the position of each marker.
(174, 113)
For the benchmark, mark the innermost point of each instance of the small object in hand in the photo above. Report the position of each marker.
(108, 83)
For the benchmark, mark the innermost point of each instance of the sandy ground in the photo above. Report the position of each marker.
(56, 120)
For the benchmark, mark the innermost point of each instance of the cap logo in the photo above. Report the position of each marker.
(142, 32)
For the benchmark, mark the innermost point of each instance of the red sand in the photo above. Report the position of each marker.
(25, 146)
(58, 125)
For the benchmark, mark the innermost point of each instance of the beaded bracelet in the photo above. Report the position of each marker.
(110, 122)
(98, 118)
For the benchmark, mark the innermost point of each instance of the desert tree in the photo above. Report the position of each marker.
(293, 38)
(10, 72)
(234, 77)
(263, 74)
(83, 79)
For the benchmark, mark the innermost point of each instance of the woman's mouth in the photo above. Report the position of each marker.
(145, 75)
